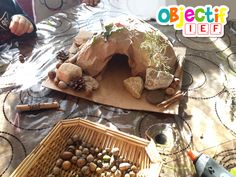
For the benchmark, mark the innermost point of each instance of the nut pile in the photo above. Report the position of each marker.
(85, 160)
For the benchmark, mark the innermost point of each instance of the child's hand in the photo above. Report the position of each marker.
(91, 2)
(20, 25)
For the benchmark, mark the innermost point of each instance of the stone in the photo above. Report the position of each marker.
(155, 96)
(134, 85)
(68, 72)
(157, 79)
(90, 82)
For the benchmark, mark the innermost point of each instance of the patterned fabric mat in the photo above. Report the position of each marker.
(206, 120)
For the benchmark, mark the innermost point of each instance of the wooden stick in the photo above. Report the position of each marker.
(172, 100)
(39, 106)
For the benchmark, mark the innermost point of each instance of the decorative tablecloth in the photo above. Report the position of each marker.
(206, 119)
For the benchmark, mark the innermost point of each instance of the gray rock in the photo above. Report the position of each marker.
(157, 79)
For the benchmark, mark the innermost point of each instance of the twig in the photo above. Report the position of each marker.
(170, 101)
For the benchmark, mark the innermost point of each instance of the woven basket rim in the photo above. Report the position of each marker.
(39, 150)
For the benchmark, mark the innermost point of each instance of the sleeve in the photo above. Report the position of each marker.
(20, 11)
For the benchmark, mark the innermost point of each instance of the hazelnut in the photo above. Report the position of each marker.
(92, 167)
(78, 153)
(69, 142)
(62, 85)
(74, 159)
(56, 170)
(86, 151)
(85, 170)
(90, 158)
(59, 162)
(81, 162)
(66, 165)
(75, 138)
(51, 75)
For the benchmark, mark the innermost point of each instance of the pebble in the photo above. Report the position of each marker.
(155, 96)
(68, 72)
(134, 85)
(157, 79)
(90, 81)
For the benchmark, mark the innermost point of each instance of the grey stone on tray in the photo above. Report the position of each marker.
(155, 96)
(157, 79)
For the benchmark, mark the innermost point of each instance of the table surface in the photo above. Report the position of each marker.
(206, 119)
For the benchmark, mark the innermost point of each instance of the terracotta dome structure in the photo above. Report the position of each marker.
(92, 51)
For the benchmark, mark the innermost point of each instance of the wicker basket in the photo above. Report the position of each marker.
(43, 158)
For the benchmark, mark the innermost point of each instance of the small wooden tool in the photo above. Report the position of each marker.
(39, 106)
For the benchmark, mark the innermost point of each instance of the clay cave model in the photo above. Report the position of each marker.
(151, 59)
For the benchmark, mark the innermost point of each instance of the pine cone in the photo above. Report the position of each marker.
(62, 55)
(77, 84)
